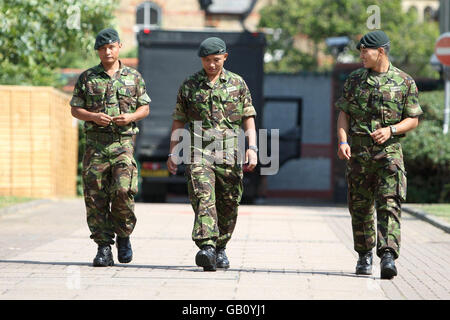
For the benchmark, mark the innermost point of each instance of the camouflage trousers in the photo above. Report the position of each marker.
(215, 191)
(110, 184)
(376, 182)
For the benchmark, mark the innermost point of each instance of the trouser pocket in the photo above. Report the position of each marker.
(392, 181)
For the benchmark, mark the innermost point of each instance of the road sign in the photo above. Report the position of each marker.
(442, 49)
(442, 52)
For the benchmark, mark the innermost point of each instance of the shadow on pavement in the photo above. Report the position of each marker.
(192, 268)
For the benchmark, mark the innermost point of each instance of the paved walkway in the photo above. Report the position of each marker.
(277, 252)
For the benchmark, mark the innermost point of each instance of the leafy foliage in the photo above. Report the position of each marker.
(427, 153)
(37, 36)
(412, 43)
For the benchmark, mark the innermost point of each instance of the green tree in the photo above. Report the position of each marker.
(412, 43)
(39, 36)
(427, 153)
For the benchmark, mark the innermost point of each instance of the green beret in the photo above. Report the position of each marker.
(212, 46)
(106, 36)
(373, 40)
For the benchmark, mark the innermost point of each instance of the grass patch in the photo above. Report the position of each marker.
(6, 201)
(441, 210)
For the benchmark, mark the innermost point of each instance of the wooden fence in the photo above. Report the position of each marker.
(38, 143)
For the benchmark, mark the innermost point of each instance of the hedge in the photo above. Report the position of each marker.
(427, 153)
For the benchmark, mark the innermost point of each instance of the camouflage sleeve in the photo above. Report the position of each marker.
(141, 93)
(181, 107)
(344, 101)
(248, 109)
(412, 108)
(79, 97)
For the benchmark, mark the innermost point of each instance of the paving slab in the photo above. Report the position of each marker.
(278, 252)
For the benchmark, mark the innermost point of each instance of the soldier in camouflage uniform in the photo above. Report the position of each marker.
(110, 98)
(214, 102)
(379, 105)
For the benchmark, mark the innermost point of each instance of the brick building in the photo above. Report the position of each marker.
(186, 15)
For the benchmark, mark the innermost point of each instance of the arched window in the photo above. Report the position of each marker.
(428, 14)
(148, 16)
(412, 9)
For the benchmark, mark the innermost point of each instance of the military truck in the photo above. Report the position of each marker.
(166, 59)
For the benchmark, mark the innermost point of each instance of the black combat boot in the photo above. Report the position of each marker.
(387, 265)
(222, 259)
(124, 251)
(104, 257)
(206, 258)
(364, 264)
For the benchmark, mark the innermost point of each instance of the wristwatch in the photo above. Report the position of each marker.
(254, 148)
(393, 130)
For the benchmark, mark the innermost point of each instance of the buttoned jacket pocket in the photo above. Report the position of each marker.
(198, 107)
(232, 107)
(127, 99)
(95, 98)
(392, 106)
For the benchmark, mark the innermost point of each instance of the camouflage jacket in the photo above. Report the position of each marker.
(220, 106)
(96, 91)
(375, 100)
(215, 113)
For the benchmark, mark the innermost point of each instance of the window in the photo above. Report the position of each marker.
(148, 16)
(232, 7)
(412, 9)
(428, 14)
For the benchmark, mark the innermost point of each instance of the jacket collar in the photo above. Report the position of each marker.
(379, 79)
(122, 69)
(224, 76)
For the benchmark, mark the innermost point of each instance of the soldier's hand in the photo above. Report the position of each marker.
(381, 135)
(101, 119)
(123, 119)
(172, 166)
(251, 159)
(344, 151)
